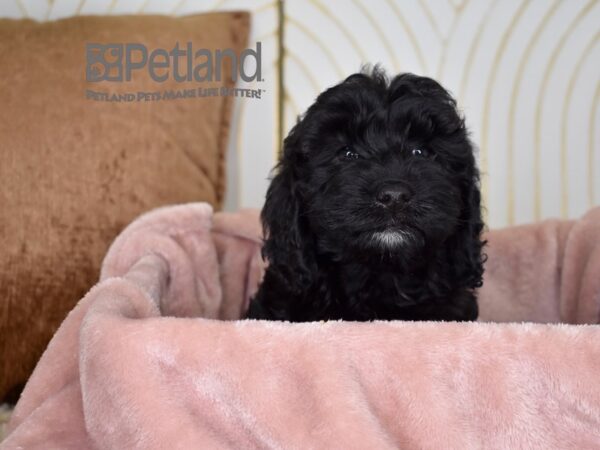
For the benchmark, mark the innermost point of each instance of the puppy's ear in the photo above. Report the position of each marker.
(469, 259)
(288, 243)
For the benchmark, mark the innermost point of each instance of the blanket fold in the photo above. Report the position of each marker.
(153, 356)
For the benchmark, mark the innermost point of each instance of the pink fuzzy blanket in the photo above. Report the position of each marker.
(149, 358)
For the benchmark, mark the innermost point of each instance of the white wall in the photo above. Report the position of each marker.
(525, 73)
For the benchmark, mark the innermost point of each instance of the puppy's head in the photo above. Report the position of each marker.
(377, 171)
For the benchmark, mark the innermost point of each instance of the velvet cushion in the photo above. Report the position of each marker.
(75, 171)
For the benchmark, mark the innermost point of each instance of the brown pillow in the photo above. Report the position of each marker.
(74, 171)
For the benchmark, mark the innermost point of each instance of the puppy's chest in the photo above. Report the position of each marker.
(364, 286)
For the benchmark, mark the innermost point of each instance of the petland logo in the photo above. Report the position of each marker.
(117, 62)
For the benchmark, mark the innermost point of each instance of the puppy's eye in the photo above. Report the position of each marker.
(349, 153)
(419, 152)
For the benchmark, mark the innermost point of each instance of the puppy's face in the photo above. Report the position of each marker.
(383, 170)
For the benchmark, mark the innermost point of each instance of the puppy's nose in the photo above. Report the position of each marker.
(393, 195)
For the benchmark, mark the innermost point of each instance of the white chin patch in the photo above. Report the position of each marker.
(391, 238)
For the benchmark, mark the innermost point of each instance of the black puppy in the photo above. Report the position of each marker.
(374, 212)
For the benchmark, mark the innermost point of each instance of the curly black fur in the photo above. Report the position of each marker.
(374, 212)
